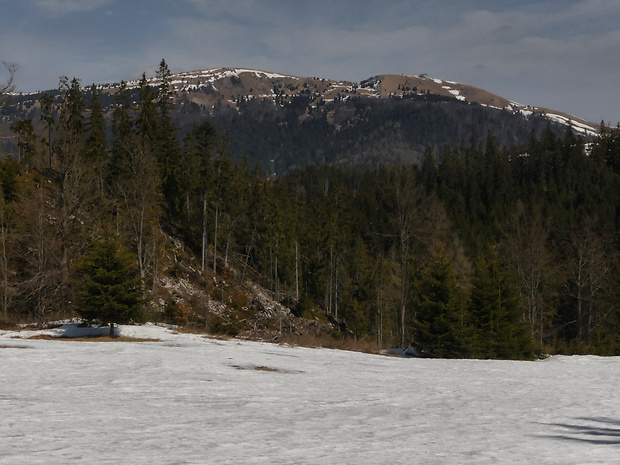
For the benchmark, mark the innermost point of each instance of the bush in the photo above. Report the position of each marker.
(302, 307)
(223, 328)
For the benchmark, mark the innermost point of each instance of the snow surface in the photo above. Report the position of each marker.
(187, 399)
(457, 94)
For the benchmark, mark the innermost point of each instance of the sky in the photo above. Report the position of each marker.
(559, 54)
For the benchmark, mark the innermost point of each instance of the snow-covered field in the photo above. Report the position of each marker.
(191, 400)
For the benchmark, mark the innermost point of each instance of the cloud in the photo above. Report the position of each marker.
(64, 7)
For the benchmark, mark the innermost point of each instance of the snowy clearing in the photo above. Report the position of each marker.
(187, 399)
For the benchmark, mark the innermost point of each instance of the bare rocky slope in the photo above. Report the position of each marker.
(224, 304)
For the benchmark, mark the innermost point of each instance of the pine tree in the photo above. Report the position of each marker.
(428, 172)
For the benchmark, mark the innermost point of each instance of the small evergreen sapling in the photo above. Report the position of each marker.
(109, 286)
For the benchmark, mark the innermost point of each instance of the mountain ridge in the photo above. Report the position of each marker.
(379, 86)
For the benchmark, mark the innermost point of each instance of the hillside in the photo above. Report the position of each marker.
(284, 122)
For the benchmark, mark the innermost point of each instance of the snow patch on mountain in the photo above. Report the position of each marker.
(457, 94)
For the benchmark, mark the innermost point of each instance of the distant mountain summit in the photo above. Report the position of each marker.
(230, 86)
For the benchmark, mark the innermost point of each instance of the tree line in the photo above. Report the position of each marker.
(481, 250)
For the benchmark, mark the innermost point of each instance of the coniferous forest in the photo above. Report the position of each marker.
(481, 250)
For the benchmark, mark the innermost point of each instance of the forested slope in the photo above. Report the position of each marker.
(487, 248)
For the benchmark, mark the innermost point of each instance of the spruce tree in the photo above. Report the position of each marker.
(167, 145)
(122, 132)
(145, 123)
(96, 150)
(109, 286)
(496, 312)
(442, 327)
(96, 145)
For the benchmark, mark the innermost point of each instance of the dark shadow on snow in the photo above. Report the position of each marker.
(591, 430)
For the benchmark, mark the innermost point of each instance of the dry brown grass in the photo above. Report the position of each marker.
(312, 340)
(390, 85)
(263, 368)
(13, 347)
(8, 324)
(256, 368)
(19, 328)
(190, 329)
(94, 338)
(218, 337)
(14, 324)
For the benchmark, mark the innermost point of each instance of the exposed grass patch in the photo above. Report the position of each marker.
(315, 341)
(218, 337)
(8, 324)
(257, 368)
(22, 328)
(17, 326)
(13, 347)
(94, 338)
(263, 368)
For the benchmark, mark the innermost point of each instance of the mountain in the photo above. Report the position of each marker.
(230, 86)
(285, 121)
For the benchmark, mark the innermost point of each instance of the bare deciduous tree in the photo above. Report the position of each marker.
(9, 84)
(589, 278)
(527, 252)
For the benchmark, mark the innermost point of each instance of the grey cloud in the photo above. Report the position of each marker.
(62, 7)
